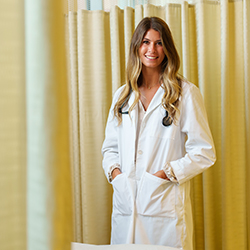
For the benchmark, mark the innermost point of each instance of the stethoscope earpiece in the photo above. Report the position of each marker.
(166, 121)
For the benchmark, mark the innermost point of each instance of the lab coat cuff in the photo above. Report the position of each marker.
(170, 173)
(111, 169)
(178, 172)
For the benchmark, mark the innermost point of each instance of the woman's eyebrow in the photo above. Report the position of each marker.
(150, 40)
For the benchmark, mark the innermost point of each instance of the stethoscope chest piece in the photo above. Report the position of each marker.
(166, 121)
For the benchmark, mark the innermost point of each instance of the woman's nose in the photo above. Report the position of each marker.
(152, 47)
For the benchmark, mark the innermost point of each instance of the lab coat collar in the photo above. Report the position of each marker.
(155, 102)
(133, 113)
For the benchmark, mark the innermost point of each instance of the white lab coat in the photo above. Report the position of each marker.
(147, 209)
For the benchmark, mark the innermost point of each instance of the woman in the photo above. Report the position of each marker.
(157, 139)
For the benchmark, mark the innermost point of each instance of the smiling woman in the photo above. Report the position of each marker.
(145, 73)
(151, 51)
(150, 164)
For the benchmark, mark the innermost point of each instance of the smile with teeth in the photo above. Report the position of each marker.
(151, 57)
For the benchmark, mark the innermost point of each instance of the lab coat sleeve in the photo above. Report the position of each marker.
(199, 146)
(110, 149)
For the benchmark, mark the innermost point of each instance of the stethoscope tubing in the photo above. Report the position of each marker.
(166, 121)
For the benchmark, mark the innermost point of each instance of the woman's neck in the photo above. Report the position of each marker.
(150, 78)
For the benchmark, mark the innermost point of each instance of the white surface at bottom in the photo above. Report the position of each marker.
(80, 246)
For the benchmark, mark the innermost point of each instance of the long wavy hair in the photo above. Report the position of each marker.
(169, 77)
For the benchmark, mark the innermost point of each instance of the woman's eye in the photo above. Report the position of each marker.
(146, 42)
(159, 43)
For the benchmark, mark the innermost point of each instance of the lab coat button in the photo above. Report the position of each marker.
(140, 152)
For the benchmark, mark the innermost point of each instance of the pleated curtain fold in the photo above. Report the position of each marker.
(213, 42)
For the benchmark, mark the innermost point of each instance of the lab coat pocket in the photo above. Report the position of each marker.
(122, 195)
(156, 197)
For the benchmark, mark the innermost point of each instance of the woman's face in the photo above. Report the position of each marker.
(151, 51)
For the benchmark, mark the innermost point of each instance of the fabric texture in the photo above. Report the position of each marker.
(12, 127)
(35, 185)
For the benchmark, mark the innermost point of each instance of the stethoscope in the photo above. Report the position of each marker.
(166, 121)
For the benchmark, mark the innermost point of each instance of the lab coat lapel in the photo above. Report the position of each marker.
(134, 112)
(131, 99)
(156, 101)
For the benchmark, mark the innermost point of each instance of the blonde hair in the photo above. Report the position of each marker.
(169, 78)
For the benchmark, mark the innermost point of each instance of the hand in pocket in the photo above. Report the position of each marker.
(161, 174)
(115, 172)
(156, 197)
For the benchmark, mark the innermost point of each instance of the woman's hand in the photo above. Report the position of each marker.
(161, 174)
(115, 172)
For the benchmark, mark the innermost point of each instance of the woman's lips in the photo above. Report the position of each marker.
(151, 57)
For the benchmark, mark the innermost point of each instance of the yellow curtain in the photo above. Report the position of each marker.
(90, 101)
(35, 178)
(213, 42)
(49, 196)
(12, 127)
